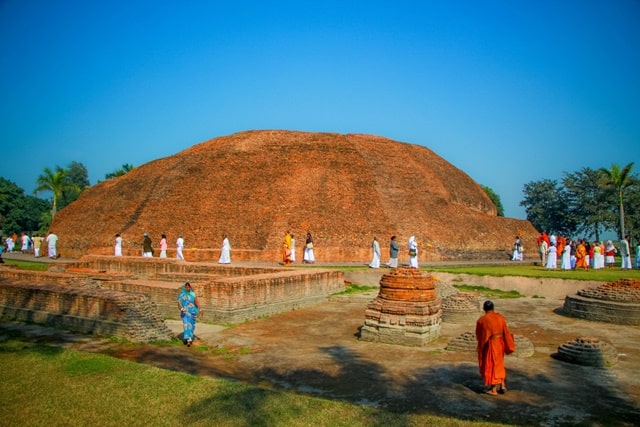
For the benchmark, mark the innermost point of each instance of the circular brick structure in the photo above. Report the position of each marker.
(406, 311)
(614, 302)
(461, 308)
(466, 342)
(588, 351)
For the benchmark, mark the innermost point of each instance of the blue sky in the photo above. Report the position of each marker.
(508, 91)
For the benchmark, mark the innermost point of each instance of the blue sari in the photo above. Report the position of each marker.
(188, 312)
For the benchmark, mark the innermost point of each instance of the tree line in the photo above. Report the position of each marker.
(587, 202)
(22, 212)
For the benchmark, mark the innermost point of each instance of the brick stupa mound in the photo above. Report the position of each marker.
(466, 342)
(255, 185)
(614, 302)
(406, 311)
(588, 351)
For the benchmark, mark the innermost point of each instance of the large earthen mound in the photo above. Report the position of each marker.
(255, 185)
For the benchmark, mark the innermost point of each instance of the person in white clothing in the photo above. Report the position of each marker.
(52, 243)
(552, 257)
(566, 257)
(413, 252)
(292, 257)
(179, 247)
(375, 247)
(308, 256)
(117, 250)
(225, 253)
(625, 253)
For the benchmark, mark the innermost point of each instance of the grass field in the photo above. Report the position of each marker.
(527, 270)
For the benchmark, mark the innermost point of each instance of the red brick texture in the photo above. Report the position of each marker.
(255, 185)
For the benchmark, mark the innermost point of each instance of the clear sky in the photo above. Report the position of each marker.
(508, 91)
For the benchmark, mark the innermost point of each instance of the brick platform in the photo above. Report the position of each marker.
(616, 302)
(227, 294)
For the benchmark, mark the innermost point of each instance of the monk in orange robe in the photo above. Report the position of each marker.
(286, 248)
(494, 341)
(581, 256)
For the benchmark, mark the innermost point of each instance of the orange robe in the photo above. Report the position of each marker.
(286, 249)
(494, 339)
(581, 256)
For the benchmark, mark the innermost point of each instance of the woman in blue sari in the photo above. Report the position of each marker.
(189, 308)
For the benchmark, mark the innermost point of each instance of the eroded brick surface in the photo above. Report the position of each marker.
(255, 185)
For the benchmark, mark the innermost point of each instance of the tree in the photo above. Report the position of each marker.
(76, 173)
(125, 168)
(547, 209)
(586, 200)
(19, 212)
(55, 182)
(494, 198)
(618, 180)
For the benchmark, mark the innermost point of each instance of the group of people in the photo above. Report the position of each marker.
(394, 251)
(148, 250)
(580, 253)
(31, 244)
(289, 249)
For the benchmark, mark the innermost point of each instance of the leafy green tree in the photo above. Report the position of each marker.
(76, 174)
(494, 198)
(587, 200)
(56, 183)
(19, 212)
(546, 206)
(125, 168)
(618, 179)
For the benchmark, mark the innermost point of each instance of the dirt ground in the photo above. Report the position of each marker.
(316, 351)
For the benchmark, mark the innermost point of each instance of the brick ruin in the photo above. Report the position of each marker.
(406, 311)
(466, 342)
(254, 186)
(588, 351)
(614, 302)
(114, 295)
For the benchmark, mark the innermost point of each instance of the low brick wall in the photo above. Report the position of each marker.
(84, 310)
(235, 299)
(227, 294)
(617, 312)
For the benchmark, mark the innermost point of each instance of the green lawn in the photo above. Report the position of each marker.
(527, 270)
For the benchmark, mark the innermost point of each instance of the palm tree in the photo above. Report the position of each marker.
(55, 182)
(619, 180)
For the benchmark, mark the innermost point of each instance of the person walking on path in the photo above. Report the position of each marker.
(552, 257)
(394, 250)
(413, 252)
(189, 310)
(518, 251)
(163, 246)
(225, 252)
(147, 248)
(610, 254)
(179, 247)
(625, 253)
(52, 244)
(293, 249)
(581, 256)
(375, 248)
(494, 341)
(286, 248)
(117, 249)
(309, 256)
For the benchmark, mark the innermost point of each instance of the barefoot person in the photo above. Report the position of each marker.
(189, 309)
(494, 341)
